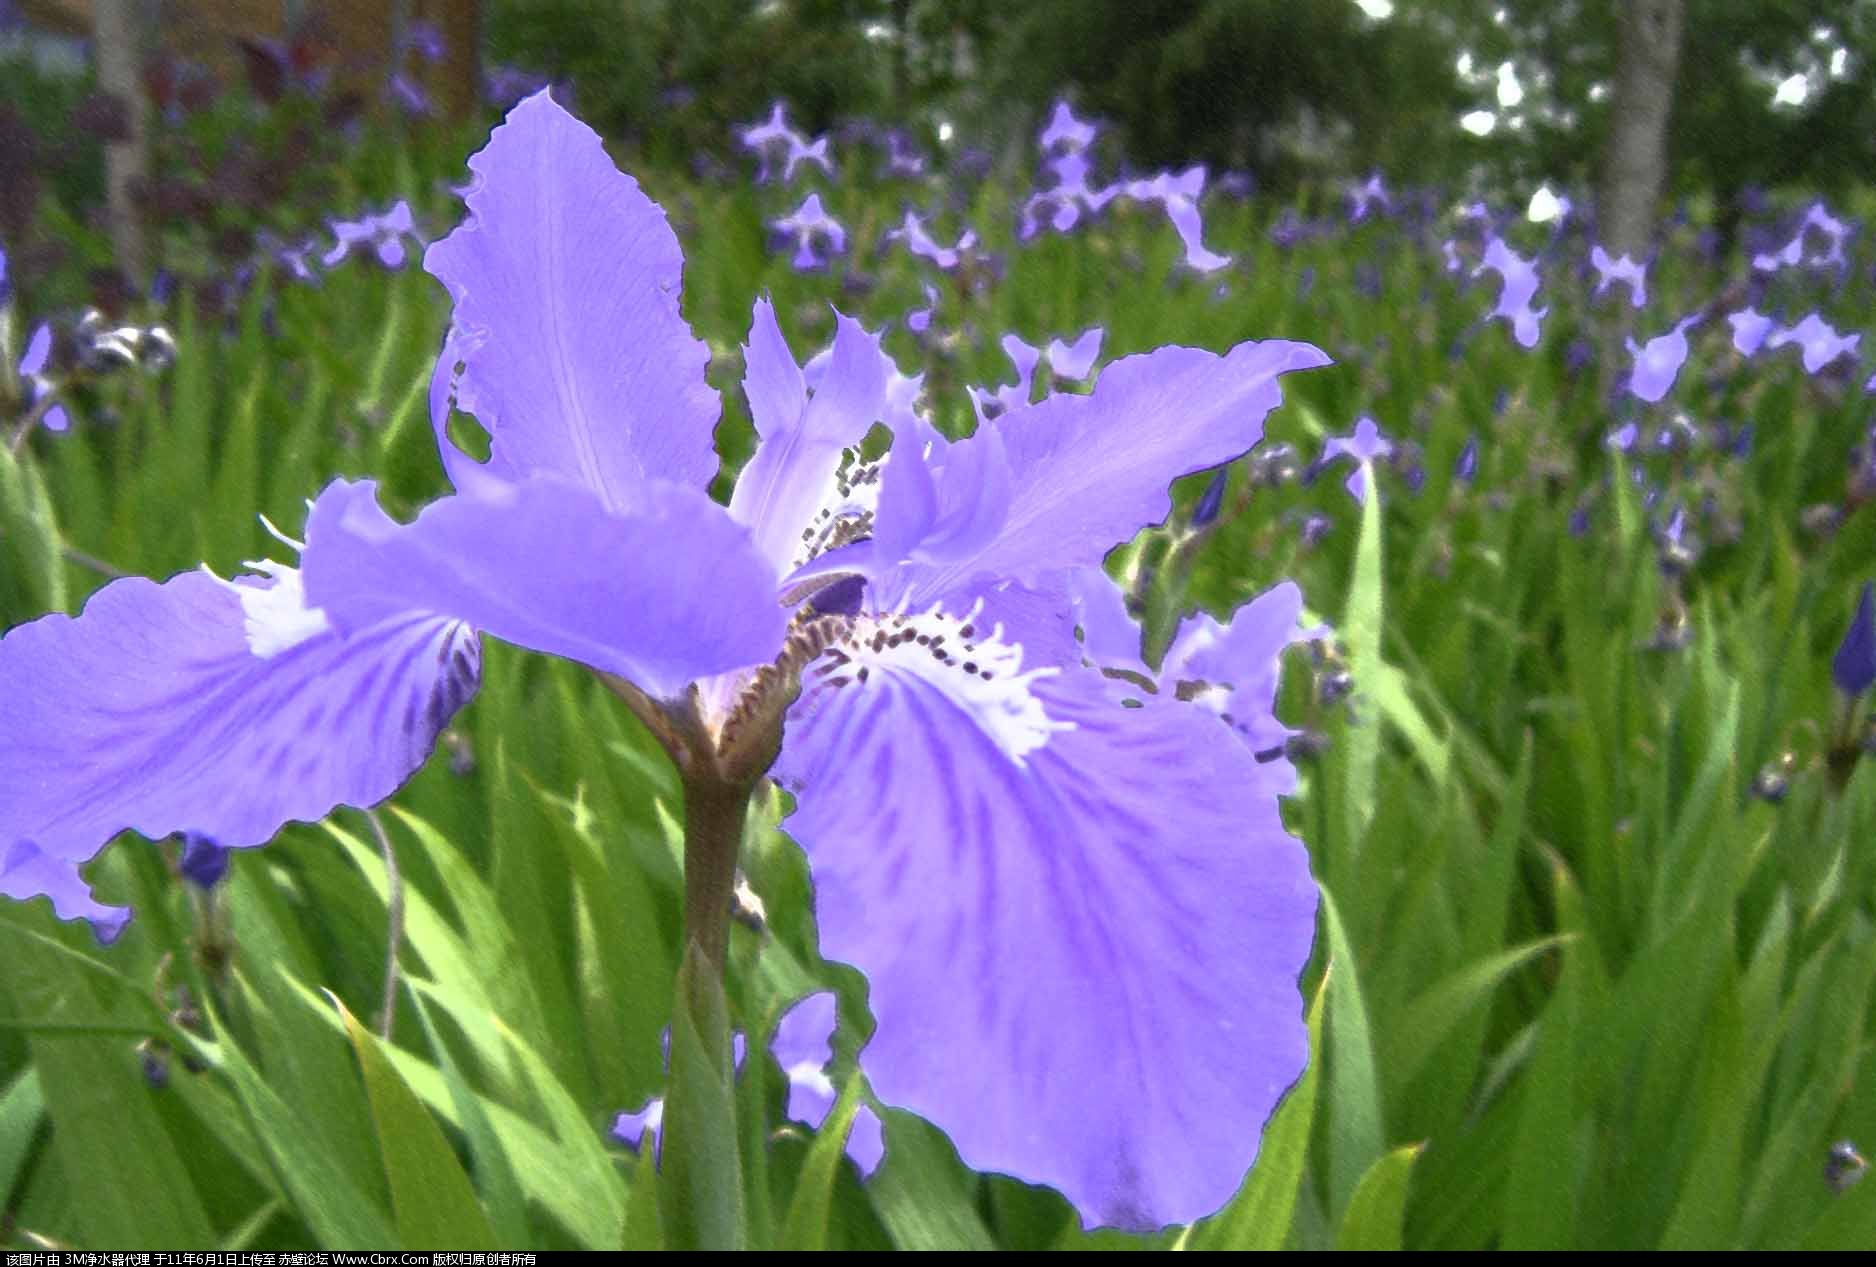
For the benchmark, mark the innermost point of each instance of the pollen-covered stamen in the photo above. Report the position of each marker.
(754, 719)
(845, 509)
(973, 667)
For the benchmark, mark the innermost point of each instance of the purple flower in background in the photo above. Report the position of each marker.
(919, 241)
(1624, 269)
(1818, 340)
(383, 234)
(1466, 468)
(1749, 330)
(1078, 912)
(1817, 220)
(919, 319)
(1065, 131)
(902, 159)
(33, 367)
(1514, 298)
(1365, 197)
(773, 140)
(1075, 360)
(1212, 500)
(1179, 195)
(1366, 444)
(1853, 668)
(204, 863)
(991, 402)
(807, 225)
(1658, 362)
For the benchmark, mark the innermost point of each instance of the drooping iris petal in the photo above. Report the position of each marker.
(225, 709)
(27, 872)
(791, 477)
(544, 565)
(574, 356)
(1082, 944)
(1089, 471)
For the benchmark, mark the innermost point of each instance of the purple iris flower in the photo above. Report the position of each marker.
(1658, 362)
(1366, 444)
(807, 225)
(1749, 330)
(1817, 220)
(1179, 194)
(773, 139)
(1623, 269)
(383, 234)
(1818, 340)
(1065, 131)
(902, 158)
(1070, 361)
(1514, 298)
(919, 241)
(1077, 909)
(1365, 197)
(1853, 668)
(1075, 360)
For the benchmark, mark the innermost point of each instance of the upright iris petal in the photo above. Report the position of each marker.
(573, 355)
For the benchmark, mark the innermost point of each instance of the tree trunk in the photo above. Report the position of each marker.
(1635, 161)
(119, 43)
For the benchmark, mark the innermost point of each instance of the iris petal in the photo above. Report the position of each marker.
(1083, 966)
(175, 707)
(1090, 471)
(574, 356)
(785, 484)
(544, 565)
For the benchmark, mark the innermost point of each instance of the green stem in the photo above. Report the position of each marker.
(714, 812)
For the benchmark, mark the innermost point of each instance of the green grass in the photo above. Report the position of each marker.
(1574, 985)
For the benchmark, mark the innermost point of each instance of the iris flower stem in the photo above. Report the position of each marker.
(40, 409)
(714, 812)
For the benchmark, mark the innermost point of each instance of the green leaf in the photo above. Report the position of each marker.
(701, 1183)
(1375, 1212)
(1361, 629)
(1355, 1127)
(1258, 1217)
(339, 1213)
(1426, 1021)
(923, 1194)
(431, 1198)
(22, 1108)
(805, 1227)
